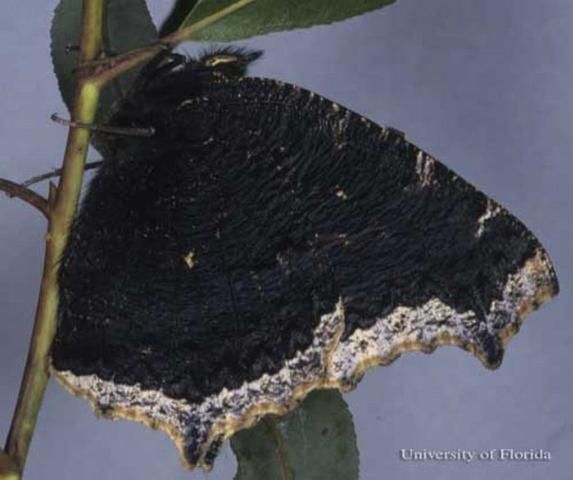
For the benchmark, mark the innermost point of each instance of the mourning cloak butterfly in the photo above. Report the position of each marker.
(265, 242)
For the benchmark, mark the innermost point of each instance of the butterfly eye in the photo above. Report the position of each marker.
(217, 60)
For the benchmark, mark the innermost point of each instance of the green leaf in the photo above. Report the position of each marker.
(128, 25)
(177, 16)
(315, 442)
(264, 16)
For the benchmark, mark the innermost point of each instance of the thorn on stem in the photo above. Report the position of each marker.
(58, 172)
(29, 196)
(126, 131)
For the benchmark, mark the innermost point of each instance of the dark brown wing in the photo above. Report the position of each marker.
(268, 242)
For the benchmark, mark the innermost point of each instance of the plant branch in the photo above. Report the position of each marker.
(104, 73)
(57, 172)
(29, 196)
(183, 34)
(62, 204)
(8, 469)
(92, 127)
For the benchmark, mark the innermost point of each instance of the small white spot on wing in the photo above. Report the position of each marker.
(425, 168)
(492, 210)
(190, 259)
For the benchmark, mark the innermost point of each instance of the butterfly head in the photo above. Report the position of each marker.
(165, 83)
(170, 68)
(228, 62)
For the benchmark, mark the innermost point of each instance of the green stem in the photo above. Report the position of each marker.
(8, 469)
(62, 203)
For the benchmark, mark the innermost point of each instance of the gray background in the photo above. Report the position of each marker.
(484, 86)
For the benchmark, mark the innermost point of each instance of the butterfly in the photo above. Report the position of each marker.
(265, 242)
